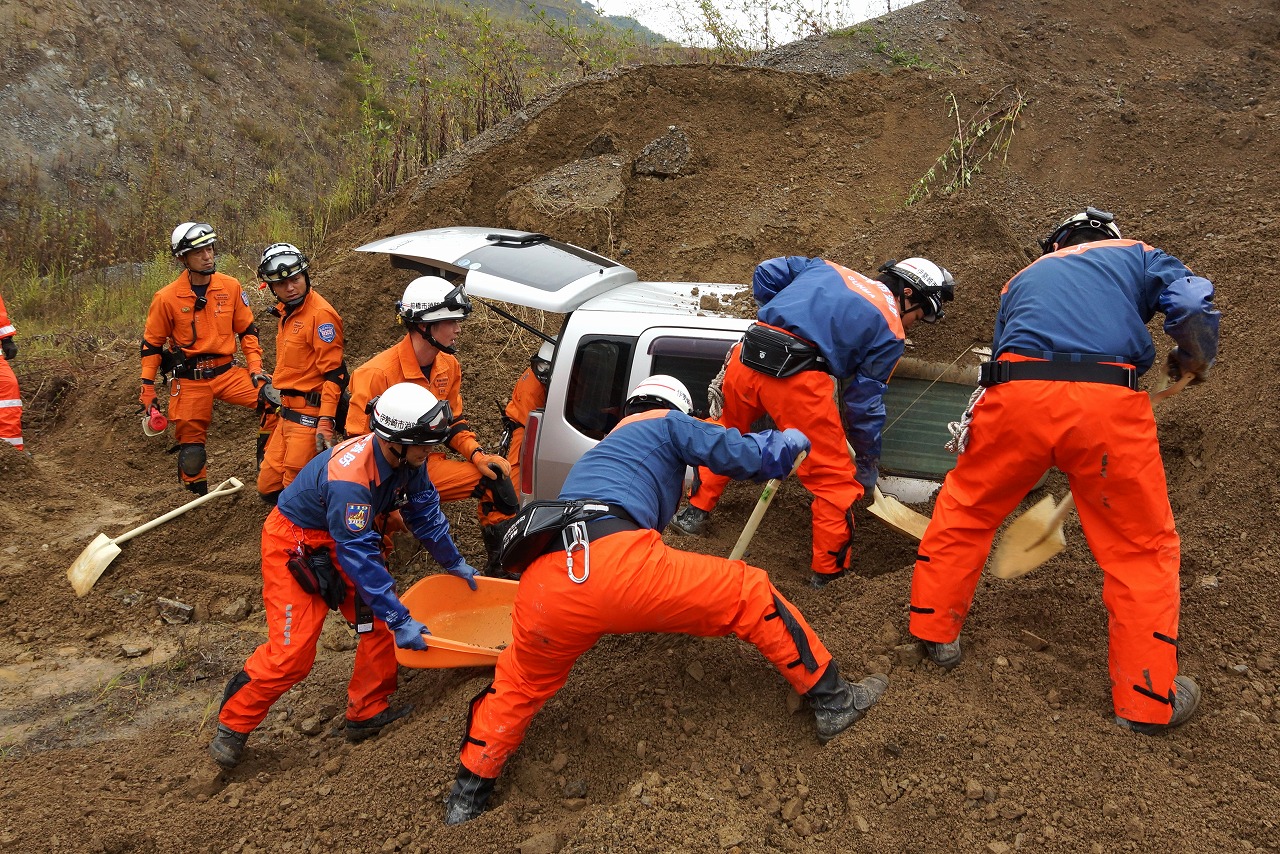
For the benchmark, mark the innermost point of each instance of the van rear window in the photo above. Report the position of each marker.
(598, 384)
(693, 361)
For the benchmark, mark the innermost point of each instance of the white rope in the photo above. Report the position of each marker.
(959, 430)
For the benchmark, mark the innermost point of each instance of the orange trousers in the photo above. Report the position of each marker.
(191, 408)
(290, 447)
(805, 401)
(1104, 438)
(456, 480)
(10, 406)
(294, 622)
(636, 584)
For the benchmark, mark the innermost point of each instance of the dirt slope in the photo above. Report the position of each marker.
(1163, 112)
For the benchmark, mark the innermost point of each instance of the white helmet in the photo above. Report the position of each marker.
(429, 299)
(408, 414)
(281, 261)
(191, 235)
(931, 285)
(540, 362)
(663, 389)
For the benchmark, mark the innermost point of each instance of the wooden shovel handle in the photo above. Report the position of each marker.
(1164, 393)
(766, 498)
(227, 487)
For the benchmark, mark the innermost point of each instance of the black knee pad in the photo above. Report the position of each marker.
(191, 459)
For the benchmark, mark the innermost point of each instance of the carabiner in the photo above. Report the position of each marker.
(575, 537)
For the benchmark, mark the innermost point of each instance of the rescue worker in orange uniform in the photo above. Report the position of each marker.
(433, 310)
(818, 320)
(310, 374)
(1070, 342)
(322, 550)
(618, 577)
(190, 335)
(10, 397)
(529, 393)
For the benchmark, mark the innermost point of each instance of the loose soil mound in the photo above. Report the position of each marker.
(1163, 112)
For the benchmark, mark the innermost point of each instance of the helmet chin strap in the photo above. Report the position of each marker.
(424, 329)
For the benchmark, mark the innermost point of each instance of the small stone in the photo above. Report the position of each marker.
(642, 748)
(174, 612)
(1110, 809)
(909, 654)
(558, 762)
(998, 847)
(1034, 641)
(1134, 829)
(791, 809)
(541, 843)
(311, 725)
(129, 650)
(1209, 581)
(973, 790)
(862, 824)
(730, 836)
(574, 804)
(575, 789)
(802, 827)
(695, 671)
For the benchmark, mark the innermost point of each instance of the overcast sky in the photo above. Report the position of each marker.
(785, 19)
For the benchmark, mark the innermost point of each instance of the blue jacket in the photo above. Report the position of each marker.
(640, 465)
(1097, 298)
(347, 491)
(854, 323)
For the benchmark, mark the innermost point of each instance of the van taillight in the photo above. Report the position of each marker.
(527, 448)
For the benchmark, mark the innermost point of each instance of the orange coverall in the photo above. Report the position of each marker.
(207, 337)
(527, 395)
(308, 349)
(805, 401)
(10, 397)
(455, 479)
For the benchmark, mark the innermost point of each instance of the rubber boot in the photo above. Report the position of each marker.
(1186, 699)
(468, 797)
(492, 536)
(358, 731)
(945, 655)
(837, 705)
(227, 746)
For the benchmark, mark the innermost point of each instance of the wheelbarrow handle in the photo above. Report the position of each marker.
(227, 487)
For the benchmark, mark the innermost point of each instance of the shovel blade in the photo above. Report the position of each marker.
(469, 628)
(1028, 541)
(95, 558)
(898, 516)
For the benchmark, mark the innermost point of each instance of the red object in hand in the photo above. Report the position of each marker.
(155, 420)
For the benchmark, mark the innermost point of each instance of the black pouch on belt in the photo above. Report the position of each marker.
(316, 574)
(778, 354)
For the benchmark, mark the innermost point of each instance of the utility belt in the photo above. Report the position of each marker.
(1059, 367)
(310, 421)
(778, 353)
(311, 398)
(200, 368)
(545, 527)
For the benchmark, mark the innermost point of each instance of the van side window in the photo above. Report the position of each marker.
(693, 361)
(598, 384)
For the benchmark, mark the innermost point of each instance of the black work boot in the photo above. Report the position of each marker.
(369, 727)
(468, 796)
(819, 580)
(945, 655)
(692, 521)
(227, 746)
(837, 705)
(492, 536)
(1186, 699)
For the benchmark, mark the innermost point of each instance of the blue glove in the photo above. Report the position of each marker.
(867, 474)
(797, 442)
(465, 571)
(411, 634)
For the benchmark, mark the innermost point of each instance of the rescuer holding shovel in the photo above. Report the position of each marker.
(310, 374)
(433, 310)
(190, 336)
(614, 575)
(322, 550)
(1062, 390)
(818, 320)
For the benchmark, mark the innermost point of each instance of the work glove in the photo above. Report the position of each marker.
(797, 442)
(466, 572)
(1179, 364)
(148, 396)
(10, 348)
(411, 634)
(324, 433)
(483, 461)
(867, 474)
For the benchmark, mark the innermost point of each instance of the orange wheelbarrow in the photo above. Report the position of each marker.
(468, 628)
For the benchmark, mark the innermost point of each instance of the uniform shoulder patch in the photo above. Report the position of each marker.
(357, 517)
(327, 332)
(244, 298)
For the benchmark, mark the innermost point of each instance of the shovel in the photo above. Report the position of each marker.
(96, 556)
(762, 504)
(1037, 535)
(897, 515)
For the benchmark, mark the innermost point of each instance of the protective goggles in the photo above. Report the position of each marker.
(199, 235)
(282, 266)
(431, 428)
(454, 301)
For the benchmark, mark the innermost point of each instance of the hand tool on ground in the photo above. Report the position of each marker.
(1037, 535)
(154, 421)
(893, 512)
(762, 504)
(469, 628)
(98, 554)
